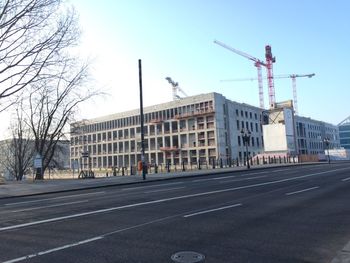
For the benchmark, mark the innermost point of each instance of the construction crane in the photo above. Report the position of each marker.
(269, 61)
(257, 63)
(176, 88)
(294, 84)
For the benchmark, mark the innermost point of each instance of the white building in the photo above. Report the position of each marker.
(194, 129)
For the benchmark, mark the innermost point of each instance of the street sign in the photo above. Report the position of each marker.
(38, 161)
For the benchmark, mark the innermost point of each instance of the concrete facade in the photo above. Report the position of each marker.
(311, 133)
(201, 128)
(344, 133)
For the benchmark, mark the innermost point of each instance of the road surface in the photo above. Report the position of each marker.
(285, 214)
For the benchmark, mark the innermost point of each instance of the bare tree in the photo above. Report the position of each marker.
(19, 149)
(52, 104)
(33, 37)
(38, 67)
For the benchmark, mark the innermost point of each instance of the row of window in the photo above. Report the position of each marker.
(148, 117)
(245, 114)
(253, 141)
(240, 125)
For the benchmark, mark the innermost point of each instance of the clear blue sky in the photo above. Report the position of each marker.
(175, 39)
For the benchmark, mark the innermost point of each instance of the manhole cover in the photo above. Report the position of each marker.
(187, 257)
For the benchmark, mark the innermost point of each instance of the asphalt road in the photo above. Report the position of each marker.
(286, 214)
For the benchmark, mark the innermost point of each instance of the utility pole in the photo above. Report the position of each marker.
(142, 124)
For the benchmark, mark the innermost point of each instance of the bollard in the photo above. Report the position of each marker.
(123, 172)
(257, 161)
(131, 170)
(155, 168)
(229, 162)
(183, 166)
(263, 159)
(168, 167)
(280, 159)
(237, 162)
(199, 164)
(221, 165)
(213, 163)
(284, 159)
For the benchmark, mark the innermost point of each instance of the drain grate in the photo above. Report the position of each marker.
(187, 257)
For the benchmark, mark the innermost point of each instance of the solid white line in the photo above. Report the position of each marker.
(48, 206)
(149, 186)
(89, 240)
(163, 200)
(212, 210)
(279, 170)
(54, 198)
(164, 190)
(301, 191)
(212, 179)
(346, 179)
(223, 177)
(53, 250)
(240, 180)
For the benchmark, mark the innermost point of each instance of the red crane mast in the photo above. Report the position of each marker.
(269, 62)
(257, 63)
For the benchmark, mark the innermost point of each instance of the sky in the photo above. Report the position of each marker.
(176, 39)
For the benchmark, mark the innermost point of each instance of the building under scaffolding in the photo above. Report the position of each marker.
(194, 129)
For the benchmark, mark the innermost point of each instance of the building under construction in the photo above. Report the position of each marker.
(194, 129)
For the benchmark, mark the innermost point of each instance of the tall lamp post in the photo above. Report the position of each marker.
(246, 139)
(327, 141)
(142, 125)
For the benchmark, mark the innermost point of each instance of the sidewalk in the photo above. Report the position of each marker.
(28, 187)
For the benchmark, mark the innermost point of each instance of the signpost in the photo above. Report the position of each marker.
(38, 165)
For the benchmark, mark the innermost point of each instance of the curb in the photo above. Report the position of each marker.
(192, 175)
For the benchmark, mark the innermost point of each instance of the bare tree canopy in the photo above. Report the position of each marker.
(38, 68)
(52, 104)
(33, 37)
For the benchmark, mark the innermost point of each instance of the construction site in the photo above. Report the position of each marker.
(205, 129)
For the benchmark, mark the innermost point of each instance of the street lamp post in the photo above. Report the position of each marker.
(327, 141)
(246, 139)
(142, 125)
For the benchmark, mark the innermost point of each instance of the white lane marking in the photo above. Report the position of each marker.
(54, 198)
(303, 190)
(211, 179)
(240, 180)
(346, 179)
(89, 240)
(53, 250)
(255, 173)
(48, 206)
(212, 210)
(279, 170)
(164, 190)
(162, 200)
(149, 186)
(224, 177)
